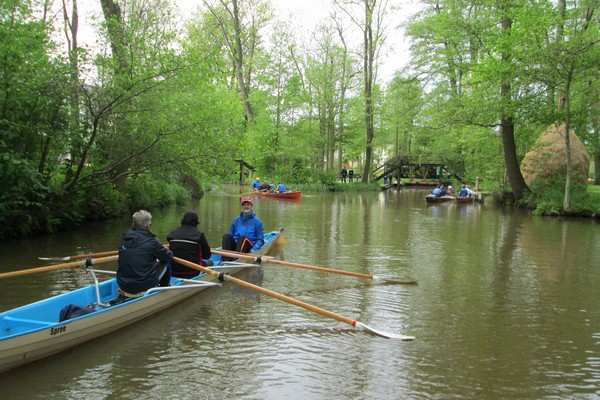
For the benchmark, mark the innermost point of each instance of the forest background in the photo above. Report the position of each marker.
(159, 107)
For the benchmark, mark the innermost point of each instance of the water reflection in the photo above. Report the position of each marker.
(506, 307)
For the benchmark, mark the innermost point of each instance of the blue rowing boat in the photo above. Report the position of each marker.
(35, 331)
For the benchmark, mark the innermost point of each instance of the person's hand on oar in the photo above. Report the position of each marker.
(291, 300)
(271, 260)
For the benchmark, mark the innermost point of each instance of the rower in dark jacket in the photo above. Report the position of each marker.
(144, 262)
(189, 243)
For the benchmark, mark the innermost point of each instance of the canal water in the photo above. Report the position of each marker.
(507, 306)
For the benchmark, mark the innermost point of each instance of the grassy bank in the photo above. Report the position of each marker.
(549, 201)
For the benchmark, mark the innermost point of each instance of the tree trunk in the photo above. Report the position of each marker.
(597, 168)
(113, 17)
(72, 24)
(507, 130)
(568, 182)
(369, 53)
(513, 171)
(114, 23)
(239, 56)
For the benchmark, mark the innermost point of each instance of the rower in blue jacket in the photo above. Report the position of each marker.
(246, 232)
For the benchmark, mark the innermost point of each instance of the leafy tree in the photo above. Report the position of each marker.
(240, 24)
(403, 105)
(566, 59)
(373, 29)
(33, 117)
(328, 72)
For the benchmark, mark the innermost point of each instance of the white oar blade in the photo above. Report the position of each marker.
(392, 281)
(55, 258)
(388, 335)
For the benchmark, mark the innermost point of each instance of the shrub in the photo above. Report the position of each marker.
(104, 202)
(147, 191)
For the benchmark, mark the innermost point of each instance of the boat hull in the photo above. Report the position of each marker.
(284, 195)
(431, 198)
(32, 332)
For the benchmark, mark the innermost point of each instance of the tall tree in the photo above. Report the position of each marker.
(576, 37)
(118, 139)
(240, 24)
(373, 29)
(329, 70)
(33, 116)
(403, 105)
(507, 126)
(462, 43)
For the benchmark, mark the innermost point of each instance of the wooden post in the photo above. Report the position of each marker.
(241, 172)
(477, 184)
(242, 165)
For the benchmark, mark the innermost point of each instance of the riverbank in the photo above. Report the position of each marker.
(485, 277)
(584, 204)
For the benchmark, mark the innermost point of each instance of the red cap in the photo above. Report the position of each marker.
(246, 200)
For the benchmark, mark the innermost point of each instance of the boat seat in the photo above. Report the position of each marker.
(130, 295)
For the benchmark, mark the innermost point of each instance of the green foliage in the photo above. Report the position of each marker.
(23, 197)
(27, 203)
(555, 183)
(159, 118)
(147, 191)
(322, 180)
(547, 198)
(334, 186)
(104, 202)
(594, 189)
(550, 203)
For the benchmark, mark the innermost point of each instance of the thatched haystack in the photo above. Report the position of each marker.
(548, 157)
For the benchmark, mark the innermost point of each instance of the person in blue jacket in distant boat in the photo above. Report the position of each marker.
(281, 188)
(256, 184)
(246, 232)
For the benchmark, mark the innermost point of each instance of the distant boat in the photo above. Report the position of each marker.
(432, 198)
(294, 195)
(470, 200)
(465, 200)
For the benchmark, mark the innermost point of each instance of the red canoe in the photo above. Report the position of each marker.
(283, 195)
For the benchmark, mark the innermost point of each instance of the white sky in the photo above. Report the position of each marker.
(306, 13)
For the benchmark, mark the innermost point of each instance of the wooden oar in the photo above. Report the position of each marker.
(271, 260)
(80, 256)
(88, 255)
(57, 266)
(291, 300)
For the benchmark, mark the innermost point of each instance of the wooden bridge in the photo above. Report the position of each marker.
(401, 166)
